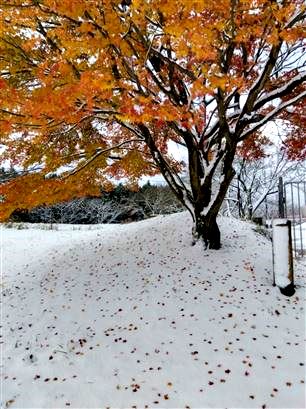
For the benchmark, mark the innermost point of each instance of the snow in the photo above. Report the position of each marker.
(133, 315)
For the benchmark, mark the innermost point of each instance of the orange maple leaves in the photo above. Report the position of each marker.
(150, 62)
(32, 190)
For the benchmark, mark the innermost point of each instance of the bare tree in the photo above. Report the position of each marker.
(256, 181)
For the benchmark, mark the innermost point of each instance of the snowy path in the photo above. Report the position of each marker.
(133, 316)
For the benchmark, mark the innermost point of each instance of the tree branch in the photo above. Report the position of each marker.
(98, 153)
(281, 91)
(272, 115)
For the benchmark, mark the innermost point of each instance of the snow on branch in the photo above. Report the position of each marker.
(272, 114)
(280, 92)
(98, 153)
(298, 16)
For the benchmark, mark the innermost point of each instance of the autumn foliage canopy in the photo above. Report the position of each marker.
(93, 89)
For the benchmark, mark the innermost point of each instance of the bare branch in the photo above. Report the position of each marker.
(98, 153)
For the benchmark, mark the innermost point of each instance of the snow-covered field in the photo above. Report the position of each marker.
(134, 316)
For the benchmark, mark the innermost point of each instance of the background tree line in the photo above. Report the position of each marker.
(120, 205)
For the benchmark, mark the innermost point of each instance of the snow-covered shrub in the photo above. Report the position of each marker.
(118, 206)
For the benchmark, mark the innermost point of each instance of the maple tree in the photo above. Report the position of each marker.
(91, 89)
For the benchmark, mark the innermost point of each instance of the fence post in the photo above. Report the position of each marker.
(282, 256)
(281, 199)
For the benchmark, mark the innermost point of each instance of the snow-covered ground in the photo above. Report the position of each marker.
(134, 316)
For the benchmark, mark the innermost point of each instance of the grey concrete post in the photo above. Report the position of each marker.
(282, 256)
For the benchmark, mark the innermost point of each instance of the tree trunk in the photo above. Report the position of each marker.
(208, 198)
(206, 228)
(198, 198)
